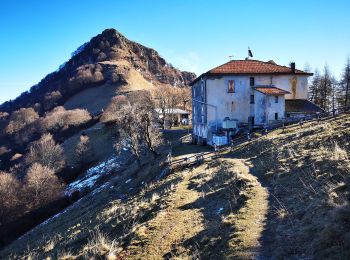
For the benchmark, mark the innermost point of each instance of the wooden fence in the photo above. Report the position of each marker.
(246, 139)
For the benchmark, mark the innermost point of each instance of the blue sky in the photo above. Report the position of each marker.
(38, 36)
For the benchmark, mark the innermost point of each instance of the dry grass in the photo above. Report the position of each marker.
(93, 99)
(307, 171)
(219, 210)
(100, 246)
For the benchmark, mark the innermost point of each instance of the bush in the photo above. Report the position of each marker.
(9, 196)
(51, 99)
(42, 185)
(20, 119)
(60, 118)
(46, 152)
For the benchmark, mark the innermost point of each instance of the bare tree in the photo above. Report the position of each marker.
(110, 114)
(167, 99)
(161, 98)
(136, 124)
(46, 152)
(186, 98)
(42, 185)
(83, 149)
(129, 132)
(10, 189)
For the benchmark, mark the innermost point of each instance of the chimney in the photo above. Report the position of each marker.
(292, 67)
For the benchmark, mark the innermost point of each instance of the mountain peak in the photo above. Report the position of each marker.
(108, 58)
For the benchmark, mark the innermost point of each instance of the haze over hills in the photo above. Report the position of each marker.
(109, 61)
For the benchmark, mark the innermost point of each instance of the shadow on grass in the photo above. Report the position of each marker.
(222, 196)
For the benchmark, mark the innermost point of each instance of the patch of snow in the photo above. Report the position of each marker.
(92, 175)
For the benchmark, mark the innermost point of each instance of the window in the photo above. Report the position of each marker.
(251, 121)
(251, 99)
(276, 116)
(231, 86)
(251, 81)
(276, 99)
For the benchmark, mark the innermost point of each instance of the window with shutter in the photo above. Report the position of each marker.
(231, 86)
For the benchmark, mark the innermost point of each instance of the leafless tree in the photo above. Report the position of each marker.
(42, 185)
(10, 189)
(167, 99)
(83, 149)
(46, 152)
(186, 98)
(110, 114)
(129, 132)
(136, 124)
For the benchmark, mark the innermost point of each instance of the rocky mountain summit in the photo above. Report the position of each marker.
(107, 59)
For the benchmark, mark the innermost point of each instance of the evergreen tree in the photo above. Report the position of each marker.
(344, 86)
(314, 88)
(325, 88)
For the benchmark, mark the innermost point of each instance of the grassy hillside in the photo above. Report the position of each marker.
(285, 195)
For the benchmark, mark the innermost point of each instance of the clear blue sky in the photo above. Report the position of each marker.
(38, 36)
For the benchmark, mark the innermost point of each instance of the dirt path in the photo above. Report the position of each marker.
(200, 222)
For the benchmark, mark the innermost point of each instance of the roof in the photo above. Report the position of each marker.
(301, 106)
(270, 90)
(172, 111)
(251, 67)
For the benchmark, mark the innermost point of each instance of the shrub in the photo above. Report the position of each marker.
(9, 196)
(51, 99)
(46, 152)
(20, 118)
(42, 185)
(60, 118)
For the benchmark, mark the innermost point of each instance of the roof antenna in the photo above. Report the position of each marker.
(250, 54)
(230, 57)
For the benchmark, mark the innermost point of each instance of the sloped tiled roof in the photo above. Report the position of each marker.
(302, 106)
(251, 67)
(270, 90)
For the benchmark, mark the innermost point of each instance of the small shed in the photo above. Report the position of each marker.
(298, 108)
(179, 116)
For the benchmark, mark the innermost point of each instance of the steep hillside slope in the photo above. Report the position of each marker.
(307, 171)
(285, 195)
(108, 59)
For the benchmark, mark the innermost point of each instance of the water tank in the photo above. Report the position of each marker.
(229, 123)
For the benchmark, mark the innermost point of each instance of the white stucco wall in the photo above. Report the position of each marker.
(233, 105)
(286, 82)
(265, 108)
(237, 105)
